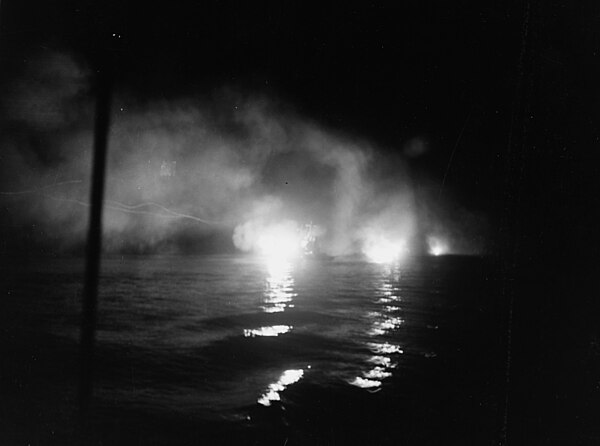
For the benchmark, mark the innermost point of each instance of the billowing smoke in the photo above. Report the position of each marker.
(185, 170)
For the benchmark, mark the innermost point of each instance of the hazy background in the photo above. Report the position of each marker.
(186, 170)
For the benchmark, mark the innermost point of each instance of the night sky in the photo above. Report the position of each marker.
(504, 96)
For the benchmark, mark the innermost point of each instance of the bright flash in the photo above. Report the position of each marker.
(383, 250)
(279, 243)
(437, 246)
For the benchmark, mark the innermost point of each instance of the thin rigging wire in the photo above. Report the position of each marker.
(126, 207)
(454, 151)
(115, 205)
(133, 210)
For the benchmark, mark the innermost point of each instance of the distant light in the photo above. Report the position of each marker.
(278, 268)
(383, 250)
(436, 251)
(279, 244)
(437, 246)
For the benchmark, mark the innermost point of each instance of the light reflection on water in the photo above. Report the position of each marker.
(273, 330)
(199, 332)
(278, 294)
(383, 321)
(272, 394)
(384, 348)
(279, 288)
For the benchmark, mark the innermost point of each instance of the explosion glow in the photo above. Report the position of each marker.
(437, 246)
(382, 250)
(279, 243)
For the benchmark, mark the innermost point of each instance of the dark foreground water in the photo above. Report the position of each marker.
(230, 350)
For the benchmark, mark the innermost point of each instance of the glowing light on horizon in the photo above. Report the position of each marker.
(382, 250)
(287, 378)
(437, 246)
(279, 244)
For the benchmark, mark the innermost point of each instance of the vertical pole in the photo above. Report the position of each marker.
(94, 246)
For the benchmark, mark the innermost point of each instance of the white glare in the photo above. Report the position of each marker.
(437, 246)
(379, 249)
(279, 244)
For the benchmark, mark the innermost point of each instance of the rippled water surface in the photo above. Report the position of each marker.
(315, 352)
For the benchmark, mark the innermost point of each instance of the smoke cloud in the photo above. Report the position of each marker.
(186, 170)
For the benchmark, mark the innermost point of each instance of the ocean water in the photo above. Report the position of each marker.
(239, 350)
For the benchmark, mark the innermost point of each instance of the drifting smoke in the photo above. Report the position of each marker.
(182, 170)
